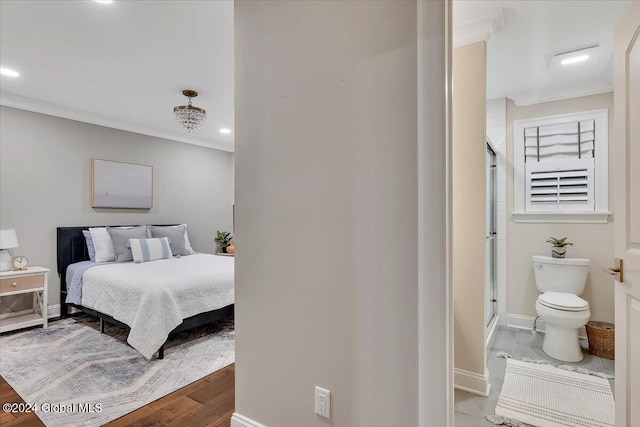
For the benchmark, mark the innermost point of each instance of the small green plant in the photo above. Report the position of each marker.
(223, 239)
(559, 243)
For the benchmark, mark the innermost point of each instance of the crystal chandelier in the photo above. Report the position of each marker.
(188, 116)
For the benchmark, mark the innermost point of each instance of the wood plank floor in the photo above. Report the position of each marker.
(206, 402)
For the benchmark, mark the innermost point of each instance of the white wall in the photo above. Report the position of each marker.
(327, 212)
(45, 183)
(593, 241)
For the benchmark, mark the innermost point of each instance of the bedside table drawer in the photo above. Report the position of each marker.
(11, 284)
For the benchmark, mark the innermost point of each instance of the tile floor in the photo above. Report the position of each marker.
(471, 408)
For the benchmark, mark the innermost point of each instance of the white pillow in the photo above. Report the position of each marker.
(103, 244)
(187, 244)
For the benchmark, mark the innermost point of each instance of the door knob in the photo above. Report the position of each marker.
(618, 270)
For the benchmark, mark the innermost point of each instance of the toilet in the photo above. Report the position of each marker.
(560, 281)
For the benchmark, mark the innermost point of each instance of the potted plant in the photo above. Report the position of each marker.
(559, 249)
(223, 239)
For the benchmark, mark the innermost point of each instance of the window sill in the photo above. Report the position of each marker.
(562, 217)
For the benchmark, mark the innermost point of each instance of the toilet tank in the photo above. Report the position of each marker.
(568, 275)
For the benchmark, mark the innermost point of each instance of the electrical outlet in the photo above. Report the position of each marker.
(323, 402)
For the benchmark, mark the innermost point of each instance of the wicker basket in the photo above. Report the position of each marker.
(601, 339)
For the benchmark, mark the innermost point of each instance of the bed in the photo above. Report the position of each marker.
(152, 299)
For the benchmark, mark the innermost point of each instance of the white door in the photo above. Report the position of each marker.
(626, 194)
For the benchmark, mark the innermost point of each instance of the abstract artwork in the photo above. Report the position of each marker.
(121, 185)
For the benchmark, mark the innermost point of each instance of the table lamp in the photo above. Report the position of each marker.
(8, 240)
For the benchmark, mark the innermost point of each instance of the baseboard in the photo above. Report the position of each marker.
(238, 420)
(471, 382)
(526, 322)
(54, 311)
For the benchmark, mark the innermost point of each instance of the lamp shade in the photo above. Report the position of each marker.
(8, 239)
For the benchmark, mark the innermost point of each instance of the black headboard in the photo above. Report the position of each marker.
(71, 247)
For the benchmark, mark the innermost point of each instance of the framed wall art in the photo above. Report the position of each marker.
(121, 185)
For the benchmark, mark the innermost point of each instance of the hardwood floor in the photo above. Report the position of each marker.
(207, 402)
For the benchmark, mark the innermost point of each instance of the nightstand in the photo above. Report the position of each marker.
(33, 281)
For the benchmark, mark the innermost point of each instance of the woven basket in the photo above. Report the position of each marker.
(601, 339)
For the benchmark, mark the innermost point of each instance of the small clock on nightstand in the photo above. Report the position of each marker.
(20, 263)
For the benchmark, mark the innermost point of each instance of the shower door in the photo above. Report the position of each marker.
(491, 236)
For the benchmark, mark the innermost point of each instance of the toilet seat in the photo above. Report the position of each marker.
(563, 302)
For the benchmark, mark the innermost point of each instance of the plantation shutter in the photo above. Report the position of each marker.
(560, 167)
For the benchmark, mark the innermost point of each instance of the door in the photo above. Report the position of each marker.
(491, 237)
(626, 195)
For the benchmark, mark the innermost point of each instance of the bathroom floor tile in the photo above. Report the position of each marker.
(472, 404)
(496, 365)
(609, 366)
(505, 339)
(465, 420)
(535, 352)
(527, 338)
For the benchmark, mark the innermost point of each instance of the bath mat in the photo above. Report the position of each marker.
(579, 369)
(87, 378)
(546, 396)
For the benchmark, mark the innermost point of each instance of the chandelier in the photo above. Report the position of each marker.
(188, 116)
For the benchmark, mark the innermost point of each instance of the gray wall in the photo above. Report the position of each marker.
(45, 183)
(327, 212)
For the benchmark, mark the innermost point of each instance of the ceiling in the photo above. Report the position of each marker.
(518, 56)
(122, 64)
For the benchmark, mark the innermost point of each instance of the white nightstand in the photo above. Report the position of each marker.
(33, 281)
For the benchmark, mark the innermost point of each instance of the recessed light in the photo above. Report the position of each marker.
(225, 130)
(103, 1)
(574, 60)
(9, 72)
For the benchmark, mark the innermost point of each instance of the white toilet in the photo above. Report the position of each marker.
(561, 280)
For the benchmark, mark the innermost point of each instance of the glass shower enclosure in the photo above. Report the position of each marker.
(491, 235)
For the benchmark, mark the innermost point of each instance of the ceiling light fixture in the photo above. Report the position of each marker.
(585, 55)
(9, 72)
(188, 116)
(574, 60)
(104, 1)
(225, 131)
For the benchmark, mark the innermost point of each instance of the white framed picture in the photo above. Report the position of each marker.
(121, 185)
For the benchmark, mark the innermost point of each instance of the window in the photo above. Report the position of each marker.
(561, 168)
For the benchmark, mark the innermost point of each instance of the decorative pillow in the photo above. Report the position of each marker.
(90, 248)
(120, 237)
(175, 234)
(144, 250)
(187, 243)
(102, 244)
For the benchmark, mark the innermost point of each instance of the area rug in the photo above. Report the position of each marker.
(76, 376)
(543, 395)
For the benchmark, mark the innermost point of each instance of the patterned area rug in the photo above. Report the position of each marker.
(543, 395)
(80, 377)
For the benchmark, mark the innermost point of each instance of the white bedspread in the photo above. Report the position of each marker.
(154, 297)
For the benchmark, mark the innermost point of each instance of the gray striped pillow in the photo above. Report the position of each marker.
(144, 250)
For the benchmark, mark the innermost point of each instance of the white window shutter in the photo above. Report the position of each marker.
(560, 168)
(560, 185)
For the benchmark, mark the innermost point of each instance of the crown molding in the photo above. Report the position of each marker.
(478, 29)
(561, 92)
(51, 109)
